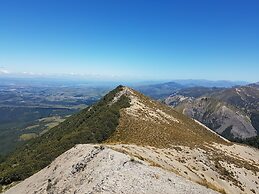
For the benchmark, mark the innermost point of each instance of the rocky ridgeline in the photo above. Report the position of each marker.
(88, 169)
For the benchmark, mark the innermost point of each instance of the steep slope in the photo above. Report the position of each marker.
(225, 119)
(114, 172)
(131, 123)
(245, 98)
(91, 125)
(231, 112)
(148, 122)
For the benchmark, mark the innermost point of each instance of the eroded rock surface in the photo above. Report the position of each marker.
(97, 169)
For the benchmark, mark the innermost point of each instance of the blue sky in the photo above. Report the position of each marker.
(131, 39)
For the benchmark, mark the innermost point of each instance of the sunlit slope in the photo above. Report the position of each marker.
(148, 122)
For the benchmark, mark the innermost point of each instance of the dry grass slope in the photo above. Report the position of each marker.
(160, 131)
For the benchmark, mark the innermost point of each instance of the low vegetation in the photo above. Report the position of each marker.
(23, 103)
(91, 125)
(160, 131)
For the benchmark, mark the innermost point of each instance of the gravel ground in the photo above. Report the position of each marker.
(93, 169)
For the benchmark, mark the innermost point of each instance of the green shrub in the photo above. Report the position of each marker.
(92, 125)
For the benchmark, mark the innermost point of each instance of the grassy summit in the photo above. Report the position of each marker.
(151, 123)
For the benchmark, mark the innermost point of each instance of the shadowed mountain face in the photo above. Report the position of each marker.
(146, 130)
(232, 112)
(245, 97)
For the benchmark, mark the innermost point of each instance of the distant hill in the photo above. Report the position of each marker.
(244, 97)
(163, 90)
(232, 112)
(159, 91)
(210, 83)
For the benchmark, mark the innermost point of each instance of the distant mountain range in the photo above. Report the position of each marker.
(159, 91)
(232, 112)
(140, 146)
(163, 90)
(210, 83)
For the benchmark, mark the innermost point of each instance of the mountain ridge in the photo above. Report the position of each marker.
(39, 152)
(232, 112)
(149, 131)
(163, 90)
(154, 115)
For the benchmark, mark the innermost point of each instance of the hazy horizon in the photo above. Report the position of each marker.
(75, 80)
(104, 78)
